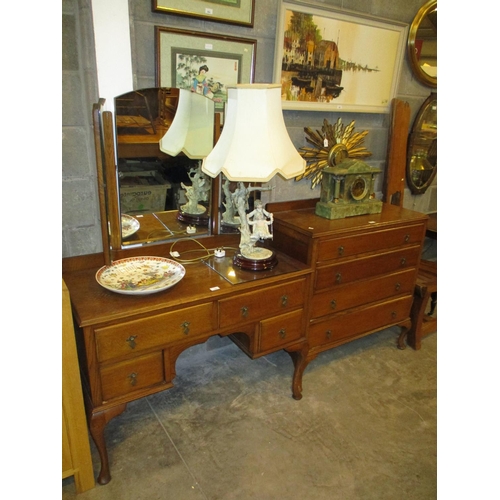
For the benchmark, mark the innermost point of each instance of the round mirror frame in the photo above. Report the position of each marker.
(419, 73)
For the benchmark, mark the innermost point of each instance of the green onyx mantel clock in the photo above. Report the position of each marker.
(347, 183)
(347, 189)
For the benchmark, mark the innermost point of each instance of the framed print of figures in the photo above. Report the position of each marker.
(330, 60)
(207, 64)
(239, 12)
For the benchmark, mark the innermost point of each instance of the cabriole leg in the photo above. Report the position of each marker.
(97, 424)
(300, 361)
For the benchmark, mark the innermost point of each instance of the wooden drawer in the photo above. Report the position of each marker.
(135, 336)
(280, 330)
(362, 292)
(349, 246)
(366, 267)
(261, 304)
(348, 325)
(122, 378)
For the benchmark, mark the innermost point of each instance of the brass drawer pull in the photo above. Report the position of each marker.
(282, 333)
(398, 287)
(244, 311)
(284, 300)
(133, 378)
(131, 341)
(407, 238)
(393, 314)
(403, 261)
(328, 334)
(338, 278)
(333, 304)
(341, 250)
(185, 327)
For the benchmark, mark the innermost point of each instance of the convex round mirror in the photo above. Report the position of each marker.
(422, 44)
(421, 167)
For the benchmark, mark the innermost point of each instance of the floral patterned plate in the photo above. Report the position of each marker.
(140, 275)
(130, 225)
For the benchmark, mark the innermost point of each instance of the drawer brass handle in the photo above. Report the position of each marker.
(403, 261)
(338, 278)
(131, 341)
(282, 333)
(133, 378)
(341, 250)
(328, 334)
(244, 311)
(393, 314)
(398, 287)
(185, 327)
(333, 304)
(284, 300)
(407, 238)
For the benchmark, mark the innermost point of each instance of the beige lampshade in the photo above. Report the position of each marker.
(254, 145)
(192, 129)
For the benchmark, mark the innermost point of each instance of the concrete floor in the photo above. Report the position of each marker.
(366, 428)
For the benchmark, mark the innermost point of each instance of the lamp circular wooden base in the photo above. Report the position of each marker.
(192, 219)
(263, 262)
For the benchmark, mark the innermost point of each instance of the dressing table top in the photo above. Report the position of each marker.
(93, 304)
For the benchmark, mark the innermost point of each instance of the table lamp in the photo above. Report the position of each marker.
(192, 133)
(254, 146)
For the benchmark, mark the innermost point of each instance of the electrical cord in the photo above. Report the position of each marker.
(217, 252)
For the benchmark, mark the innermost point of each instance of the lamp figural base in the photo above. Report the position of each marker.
(193, 212)
(254, 227)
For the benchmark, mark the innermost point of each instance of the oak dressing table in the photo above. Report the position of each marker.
(128, 345)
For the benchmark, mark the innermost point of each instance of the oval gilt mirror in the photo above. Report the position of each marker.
(421, 167)
(422, 44)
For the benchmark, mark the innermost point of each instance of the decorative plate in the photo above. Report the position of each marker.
(130, 225)
(140, 275)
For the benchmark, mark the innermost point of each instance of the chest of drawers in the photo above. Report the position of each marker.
(364, 270)
(128, 345)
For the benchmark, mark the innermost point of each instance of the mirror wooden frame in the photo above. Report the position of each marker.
(420, 74)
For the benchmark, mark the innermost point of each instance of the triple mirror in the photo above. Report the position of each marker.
(422, 44)
(149, 191)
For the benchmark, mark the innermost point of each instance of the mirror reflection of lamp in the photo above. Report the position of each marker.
(254, 146)
(192, 133)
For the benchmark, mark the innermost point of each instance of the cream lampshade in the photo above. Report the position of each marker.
(192, 133)
(192, 129)
(254, 146)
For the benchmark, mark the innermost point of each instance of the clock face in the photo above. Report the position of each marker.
(359, 188)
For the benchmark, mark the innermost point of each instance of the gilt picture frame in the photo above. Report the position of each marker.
(238, 12)
(331, 60)
(206, 64)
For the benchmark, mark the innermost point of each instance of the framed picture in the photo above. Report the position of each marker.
(240, 12)
(329, 60)
(206, 64)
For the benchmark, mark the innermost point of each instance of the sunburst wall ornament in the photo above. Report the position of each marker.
(332, 145)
